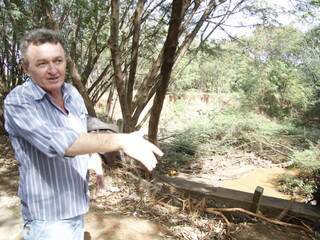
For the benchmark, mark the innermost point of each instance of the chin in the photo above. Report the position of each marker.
(53, 87)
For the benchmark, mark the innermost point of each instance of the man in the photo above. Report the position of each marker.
(46, 121)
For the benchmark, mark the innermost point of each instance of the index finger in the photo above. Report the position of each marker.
(156, 150)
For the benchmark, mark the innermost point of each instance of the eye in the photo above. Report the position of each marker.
(58, 61)
(42, 64)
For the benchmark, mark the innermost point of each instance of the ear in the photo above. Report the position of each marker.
(25, 66)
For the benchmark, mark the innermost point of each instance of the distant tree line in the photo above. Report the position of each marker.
(276, 70)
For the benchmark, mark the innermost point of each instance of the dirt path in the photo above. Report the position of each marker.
(117, 227)
(98, 226)
(10, 220)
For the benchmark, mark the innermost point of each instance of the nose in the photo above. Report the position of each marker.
(52, 69)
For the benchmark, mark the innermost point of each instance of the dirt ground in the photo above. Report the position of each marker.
(138, 210)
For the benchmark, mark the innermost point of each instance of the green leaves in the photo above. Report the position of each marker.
(16, 14)
(276, 69)
(315, 2)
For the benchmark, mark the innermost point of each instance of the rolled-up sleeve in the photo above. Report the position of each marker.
(23, 120)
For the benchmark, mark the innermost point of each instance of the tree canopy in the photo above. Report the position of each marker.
(129, 48)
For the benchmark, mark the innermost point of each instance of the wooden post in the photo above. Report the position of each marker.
(256, 200)
(87, 235)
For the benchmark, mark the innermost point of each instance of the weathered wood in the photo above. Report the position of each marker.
(256, 200)
(236, 198)
(285, 211)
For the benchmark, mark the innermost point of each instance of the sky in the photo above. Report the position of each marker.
(283, 19)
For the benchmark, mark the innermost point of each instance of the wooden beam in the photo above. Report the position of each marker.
(242, 199)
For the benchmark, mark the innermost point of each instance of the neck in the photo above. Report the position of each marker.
(57, 98)
(55, 95)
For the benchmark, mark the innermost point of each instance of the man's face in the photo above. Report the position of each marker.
(46, 65)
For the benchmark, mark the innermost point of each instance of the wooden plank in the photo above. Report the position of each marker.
(241, 199)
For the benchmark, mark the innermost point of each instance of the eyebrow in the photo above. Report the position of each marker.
(41, 60)
(46, 60)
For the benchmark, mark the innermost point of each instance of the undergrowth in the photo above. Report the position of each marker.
(223, 132)
(189, 132)
(301, 185)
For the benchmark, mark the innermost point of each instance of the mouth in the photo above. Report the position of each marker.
(53, 79)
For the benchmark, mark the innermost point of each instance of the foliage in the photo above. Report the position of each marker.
(316, 191)
(307, 159)
(306, 183)
(205, 131)
(271, 82)
(220, 129)
(202, 71)
(306, 10)
(309, 56)
(141, 31)
(275, 70)
(293, 185)
(181, 150)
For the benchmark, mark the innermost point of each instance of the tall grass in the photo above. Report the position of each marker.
(307, 159)
(203, 130)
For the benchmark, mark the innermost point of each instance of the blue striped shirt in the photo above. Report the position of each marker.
(51, 185)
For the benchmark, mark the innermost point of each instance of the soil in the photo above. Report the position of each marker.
(143, 210)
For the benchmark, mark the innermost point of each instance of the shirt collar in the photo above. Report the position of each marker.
(39, 93)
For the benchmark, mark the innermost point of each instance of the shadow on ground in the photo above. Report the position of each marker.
(116, 227)
(260, 231)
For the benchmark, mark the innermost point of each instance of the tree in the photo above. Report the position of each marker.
(142, 27)
(309, 57)
(169, 52)
(268, 72)
(147, 86)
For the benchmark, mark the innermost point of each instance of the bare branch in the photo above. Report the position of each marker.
(134, 50)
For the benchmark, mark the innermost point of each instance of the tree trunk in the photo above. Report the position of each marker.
(81, 88)
(150, 83)
(170, 47)
(134, 51)
(116, 61)
(190, 37)
(2, 130)
(109, 101)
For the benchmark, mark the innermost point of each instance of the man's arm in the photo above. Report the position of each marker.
(133, 144)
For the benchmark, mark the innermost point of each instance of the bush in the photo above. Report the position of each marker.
(297, 185)
(308, 159)
(316, 190)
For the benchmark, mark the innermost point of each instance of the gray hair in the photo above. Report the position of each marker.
(38, 37)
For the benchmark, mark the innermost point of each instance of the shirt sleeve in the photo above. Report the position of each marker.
(23, 120)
